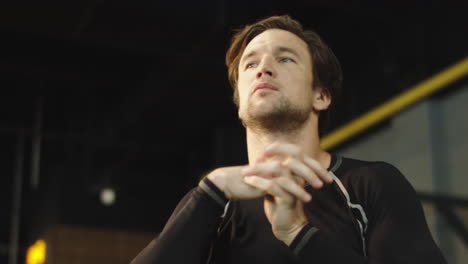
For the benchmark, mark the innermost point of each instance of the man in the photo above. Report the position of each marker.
(293, 202)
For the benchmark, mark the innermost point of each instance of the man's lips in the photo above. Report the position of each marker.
(262, 86)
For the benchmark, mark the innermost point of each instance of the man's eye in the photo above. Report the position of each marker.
(286, 60)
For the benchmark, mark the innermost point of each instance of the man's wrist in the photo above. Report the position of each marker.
(288, 237)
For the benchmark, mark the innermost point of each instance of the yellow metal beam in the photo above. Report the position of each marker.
(396, 104)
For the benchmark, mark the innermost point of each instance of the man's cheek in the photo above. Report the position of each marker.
(243, 94)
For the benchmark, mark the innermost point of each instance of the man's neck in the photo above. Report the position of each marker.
(306, 137)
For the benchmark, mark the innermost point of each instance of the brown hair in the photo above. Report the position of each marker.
(326, 68)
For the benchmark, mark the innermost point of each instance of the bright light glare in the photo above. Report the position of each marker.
(36, 253)
(107, 196)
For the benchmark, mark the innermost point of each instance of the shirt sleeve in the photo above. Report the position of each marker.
(189, 232)
(397, 231)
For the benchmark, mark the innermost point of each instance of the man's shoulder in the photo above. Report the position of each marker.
(348, 163)
(370, 181)
(368, 171)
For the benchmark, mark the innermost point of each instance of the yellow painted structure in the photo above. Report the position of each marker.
(396, 104)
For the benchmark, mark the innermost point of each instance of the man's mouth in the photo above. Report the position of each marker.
(264, 86)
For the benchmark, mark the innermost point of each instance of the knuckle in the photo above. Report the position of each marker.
(289, 161)
(270, 186)
(281, 180)
(296, 151)
(314, 162)
(276, 166)
(284, 181)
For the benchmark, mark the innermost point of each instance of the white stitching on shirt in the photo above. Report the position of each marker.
(354, 206)
(226, 207)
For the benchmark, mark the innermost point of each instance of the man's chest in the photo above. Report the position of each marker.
(248, 236)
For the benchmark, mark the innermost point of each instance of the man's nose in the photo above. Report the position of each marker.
(265, 68)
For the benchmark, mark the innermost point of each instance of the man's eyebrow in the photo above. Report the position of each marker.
(277, 50)
(250, 54)
(281, 49)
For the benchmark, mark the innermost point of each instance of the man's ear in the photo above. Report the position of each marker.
(322, 99)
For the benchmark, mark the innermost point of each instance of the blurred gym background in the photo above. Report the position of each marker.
(117, 108)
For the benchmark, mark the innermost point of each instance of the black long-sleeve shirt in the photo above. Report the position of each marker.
(370, 214)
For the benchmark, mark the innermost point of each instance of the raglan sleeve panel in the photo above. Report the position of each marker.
(189, 232)
(397, 231)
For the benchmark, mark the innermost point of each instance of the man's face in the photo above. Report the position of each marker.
(275, 78)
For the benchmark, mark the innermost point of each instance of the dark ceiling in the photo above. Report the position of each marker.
(134, 94)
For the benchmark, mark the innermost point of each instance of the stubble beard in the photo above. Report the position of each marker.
(283, 117)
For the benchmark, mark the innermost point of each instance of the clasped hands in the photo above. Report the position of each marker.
(279, 174)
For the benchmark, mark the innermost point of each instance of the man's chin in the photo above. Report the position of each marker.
(273, 118)
(261, 113)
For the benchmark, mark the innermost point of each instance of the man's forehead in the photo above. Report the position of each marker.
(277, 40)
